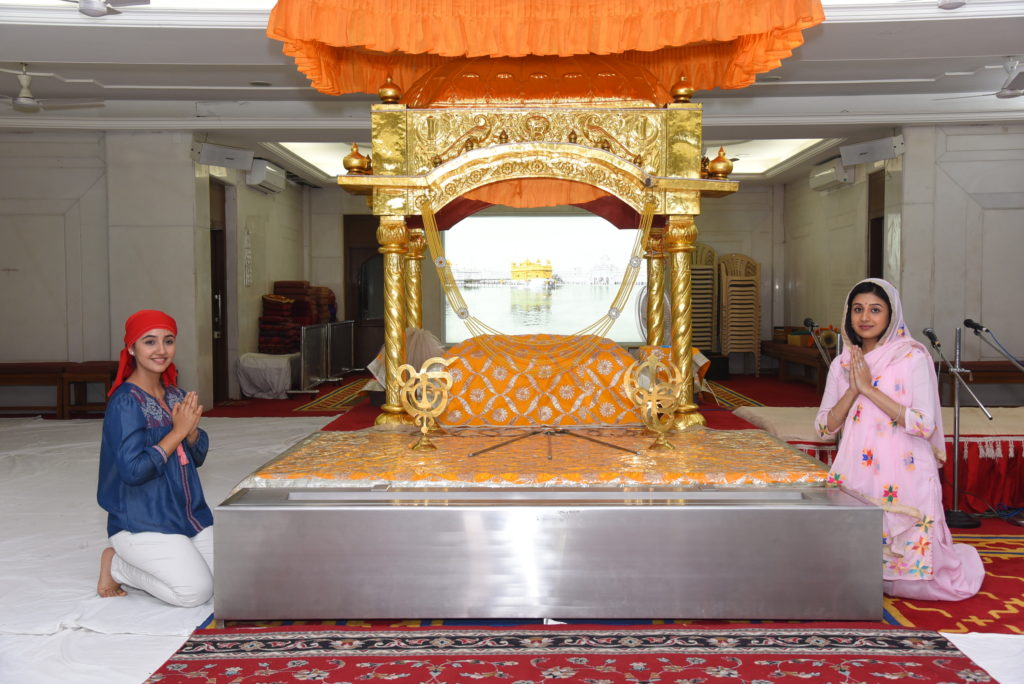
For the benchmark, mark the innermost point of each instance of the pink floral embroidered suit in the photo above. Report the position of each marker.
(897, 467)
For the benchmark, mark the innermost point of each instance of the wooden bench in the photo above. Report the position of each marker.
(981, 373)
(813, 368)
(75, 381)
(68, 379)
(35, 374)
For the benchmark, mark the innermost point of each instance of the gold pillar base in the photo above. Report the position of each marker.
(687, 416)
(393, 415)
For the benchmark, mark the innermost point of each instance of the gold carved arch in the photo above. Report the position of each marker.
(559, 161)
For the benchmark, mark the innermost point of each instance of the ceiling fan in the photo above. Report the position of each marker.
(27, 103)
(1013, 86)
(101, 8)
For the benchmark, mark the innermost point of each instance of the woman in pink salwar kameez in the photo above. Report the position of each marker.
(883, 394)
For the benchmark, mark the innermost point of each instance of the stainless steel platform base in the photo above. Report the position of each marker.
(759, 553)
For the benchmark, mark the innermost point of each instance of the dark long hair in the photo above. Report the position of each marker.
(862, 288)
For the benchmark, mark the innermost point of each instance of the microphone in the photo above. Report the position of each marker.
(976, 327)
(930, 334)
(809, 323)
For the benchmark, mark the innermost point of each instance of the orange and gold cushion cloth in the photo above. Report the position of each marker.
(526, 384)
(485, 457)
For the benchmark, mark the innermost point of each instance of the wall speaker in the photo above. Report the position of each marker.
(871, 151)
(218, 155)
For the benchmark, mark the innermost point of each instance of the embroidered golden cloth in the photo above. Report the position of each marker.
(522, 386)
(487, 457)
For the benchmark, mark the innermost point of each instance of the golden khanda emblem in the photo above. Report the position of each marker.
(656, 388)
(424, 395)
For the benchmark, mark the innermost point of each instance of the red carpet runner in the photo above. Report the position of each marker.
(578, 653)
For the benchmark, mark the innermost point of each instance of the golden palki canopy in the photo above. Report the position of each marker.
(348, 46)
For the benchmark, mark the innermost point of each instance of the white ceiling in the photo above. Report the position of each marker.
(197, 65)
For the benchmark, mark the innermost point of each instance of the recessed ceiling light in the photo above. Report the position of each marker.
(260, 84)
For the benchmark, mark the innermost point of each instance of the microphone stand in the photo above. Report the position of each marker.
(956, 518)
(821, 350)
(1002, 351)
(1017, 519)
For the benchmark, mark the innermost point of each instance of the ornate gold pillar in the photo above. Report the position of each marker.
(655, 288)
(680, 237)
(392, 236)
(413, 282)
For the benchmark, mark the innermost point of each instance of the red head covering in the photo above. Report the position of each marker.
(137, 325)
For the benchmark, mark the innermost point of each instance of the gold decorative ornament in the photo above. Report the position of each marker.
(679, 242)
(424, 395)
(720, 167)
(389, 92)
(393, 237)
(681, 91)
(627, 133)
(704, 161)
(655, 387)
(355, 162)
(655, 288)
(413, 280)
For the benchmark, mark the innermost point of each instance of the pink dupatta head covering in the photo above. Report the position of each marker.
(137, 325)
(895, 343)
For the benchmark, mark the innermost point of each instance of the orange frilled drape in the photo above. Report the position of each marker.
(348, 46)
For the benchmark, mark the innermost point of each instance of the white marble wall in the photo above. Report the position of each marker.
(327, 236)
(53, 247)
(963, 233)
(825, 248)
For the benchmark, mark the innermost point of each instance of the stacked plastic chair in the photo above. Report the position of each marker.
(739, 291)
(703, 297)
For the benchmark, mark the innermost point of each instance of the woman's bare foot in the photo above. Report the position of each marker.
(107, 587)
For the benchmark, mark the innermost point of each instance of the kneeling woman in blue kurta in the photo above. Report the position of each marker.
(160, 528)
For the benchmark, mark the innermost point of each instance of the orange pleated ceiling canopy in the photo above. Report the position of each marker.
(353, 46)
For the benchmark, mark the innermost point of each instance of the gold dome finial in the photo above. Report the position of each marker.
(681, 91)
(389, 92)
(356, 163)
(720, 167)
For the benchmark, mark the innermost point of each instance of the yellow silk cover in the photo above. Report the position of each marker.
(527, 387)
(487, 457)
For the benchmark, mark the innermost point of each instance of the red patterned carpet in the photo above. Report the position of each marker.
(579, 653)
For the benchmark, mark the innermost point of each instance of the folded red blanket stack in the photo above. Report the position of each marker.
(326, 306)
(279, 330)
(304, 308)
(293, 304)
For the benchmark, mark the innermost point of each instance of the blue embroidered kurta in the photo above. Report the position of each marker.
(139, 491)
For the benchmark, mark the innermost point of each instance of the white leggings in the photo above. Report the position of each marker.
(172, 567)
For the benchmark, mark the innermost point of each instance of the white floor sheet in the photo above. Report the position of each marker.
(53, 626)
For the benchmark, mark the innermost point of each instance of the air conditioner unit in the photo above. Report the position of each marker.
(218, 155)
(872, 150)
(265, 177)
(830, 175)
